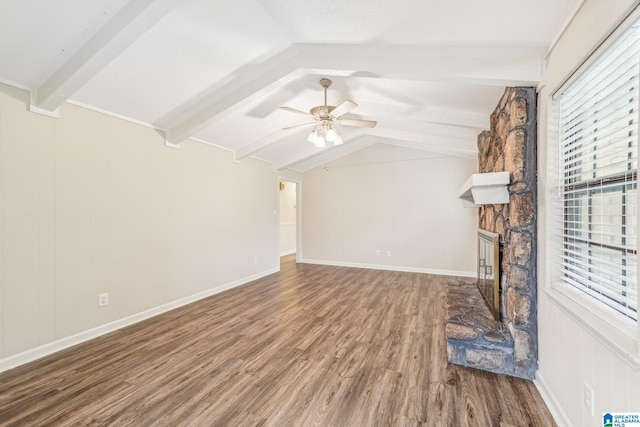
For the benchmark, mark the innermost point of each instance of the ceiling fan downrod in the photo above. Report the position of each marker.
(325, 83)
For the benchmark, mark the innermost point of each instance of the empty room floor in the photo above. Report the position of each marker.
(308, 346)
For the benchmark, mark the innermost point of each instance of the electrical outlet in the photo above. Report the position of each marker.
(255, 259)
(103, 299)
(588, 398)
(389, 253)
(377, 252)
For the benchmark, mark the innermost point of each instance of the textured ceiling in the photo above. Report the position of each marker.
(429, 71)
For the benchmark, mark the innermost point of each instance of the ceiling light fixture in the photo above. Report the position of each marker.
(325, 116)
(324, 133)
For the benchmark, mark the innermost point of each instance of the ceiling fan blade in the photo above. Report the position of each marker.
(360, 123)
(295, 126)
(293, 110)
(343, 108)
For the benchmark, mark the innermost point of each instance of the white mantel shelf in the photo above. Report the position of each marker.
(485, 189)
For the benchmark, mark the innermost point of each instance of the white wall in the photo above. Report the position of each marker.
(407, 206)
(90, 203)
(569, 355)
(288, 215)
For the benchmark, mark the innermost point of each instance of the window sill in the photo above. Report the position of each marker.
(621, 337)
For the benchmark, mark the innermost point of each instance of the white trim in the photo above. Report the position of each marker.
(610, 37)
(298, 182)
(392, 268)
(111, 114)
(289, 252)
(299, 207)
(66, 342)
(563, 28)
(597, 321)
(56, 114)
(211, 144)
(34, 108)
(202, 141)
(15, 84)
(171, 144)
(559, 416)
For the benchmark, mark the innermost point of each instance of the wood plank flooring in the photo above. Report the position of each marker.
(309, 346)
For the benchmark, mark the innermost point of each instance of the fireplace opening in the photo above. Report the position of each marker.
(489, 270)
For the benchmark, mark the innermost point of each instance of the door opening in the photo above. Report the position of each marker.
(288, 218)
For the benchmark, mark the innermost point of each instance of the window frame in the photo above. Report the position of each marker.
(614, 329)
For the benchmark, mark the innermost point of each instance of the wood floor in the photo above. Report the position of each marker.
(310, 346)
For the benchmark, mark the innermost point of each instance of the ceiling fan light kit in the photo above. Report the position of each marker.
(325, 116)
(323, 133)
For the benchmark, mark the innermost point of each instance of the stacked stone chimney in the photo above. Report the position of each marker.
(474, 338)
(510, 146)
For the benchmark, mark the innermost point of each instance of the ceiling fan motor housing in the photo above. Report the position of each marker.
(322, 111)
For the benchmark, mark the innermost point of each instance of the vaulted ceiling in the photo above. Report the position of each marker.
(430, 72)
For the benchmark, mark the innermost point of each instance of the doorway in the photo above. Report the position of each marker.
(288, 218)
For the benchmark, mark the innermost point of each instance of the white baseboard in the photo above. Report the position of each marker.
(284, 253)
(392, 268)
(556, 410)
(66, 342)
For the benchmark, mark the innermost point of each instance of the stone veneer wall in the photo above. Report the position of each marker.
(510, 146)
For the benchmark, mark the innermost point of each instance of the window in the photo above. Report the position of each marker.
(598, 162)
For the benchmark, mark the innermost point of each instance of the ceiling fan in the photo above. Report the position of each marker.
(325, 116)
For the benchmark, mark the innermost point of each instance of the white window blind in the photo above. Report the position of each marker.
(598, 177)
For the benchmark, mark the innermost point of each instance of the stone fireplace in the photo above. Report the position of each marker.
(475, 338)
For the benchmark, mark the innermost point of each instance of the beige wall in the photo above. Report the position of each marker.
(569, 354)
(90, 204)
(408, 207)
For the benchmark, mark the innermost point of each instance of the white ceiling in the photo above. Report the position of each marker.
(429, 71)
